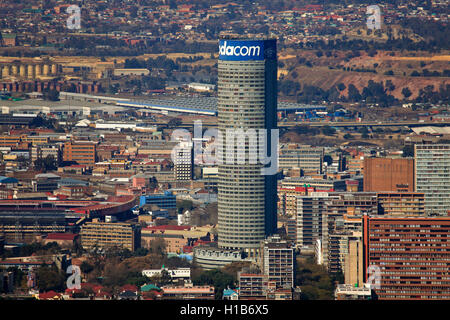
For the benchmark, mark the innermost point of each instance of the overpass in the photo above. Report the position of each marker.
(365, 124)
(189, 124)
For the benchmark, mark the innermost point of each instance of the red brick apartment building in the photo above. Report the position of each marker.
(413, 254)
(81, 152)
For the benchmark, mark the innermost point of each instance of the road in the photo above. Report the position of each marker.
(336, 124)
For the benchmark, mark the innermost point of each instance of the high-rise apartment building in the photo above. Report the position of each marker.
(411, 254)
(81, 152)
(339, 249)
(385, 174)
(310, 212)
(184, 161)
(343, 223)
(354, 263)
(432, 164)
(247, 101)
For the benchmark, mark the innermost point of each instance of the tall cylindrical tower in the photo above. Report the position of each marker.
(247, 104)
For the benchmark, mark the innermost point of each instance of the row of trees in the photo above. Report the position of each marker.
(373, 93)
(305, 129)
(78, 46)
(314, 280)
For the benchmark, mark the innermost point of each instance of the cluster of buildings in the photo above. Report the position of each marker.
(395, 218)
(190, 21)
(188, 291)
(355, 209)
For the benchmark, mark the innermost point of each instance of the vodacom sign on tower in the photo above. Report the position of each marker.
(241, 50)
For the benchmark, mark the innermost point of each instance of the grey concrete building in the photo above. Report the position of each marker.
(306, 158)
(432, 165)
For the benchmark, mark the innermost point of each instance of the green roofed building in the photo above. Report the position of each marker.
(149, 287)
(9, 39)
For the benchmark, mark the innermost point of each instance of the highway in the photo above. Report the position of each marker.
(365, 124)
(334, 124)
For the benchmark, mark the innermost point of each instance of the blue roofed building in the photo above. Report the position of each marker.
(166, 200)
(230, 294)
(8, 182)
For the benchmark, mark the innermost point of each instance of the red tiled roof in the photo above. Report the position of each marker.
(48, 295)
(129, 287)
(169, 227)
(61, 236)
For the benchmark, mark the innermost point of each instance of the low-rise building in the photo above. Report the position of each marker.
(350, 292)
(175, 274)
(188, 292)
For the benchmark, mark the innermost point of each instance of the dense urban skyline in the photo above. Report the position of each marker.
(233, 151)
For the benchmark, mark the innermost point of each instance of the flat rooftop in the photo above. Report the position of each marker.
(34, 104)
(207, 105)
(194, 105)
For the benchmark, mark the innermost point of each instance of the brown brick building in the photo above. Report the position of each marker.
(81, 152)
(412, 254)
(385, 174)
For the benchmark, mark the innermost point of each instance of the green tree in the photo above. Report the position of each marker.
(364, 132)
(406, 92)
(86, 267)
(184, 205)
(140, 252)
(348, 136)
(341, 86)
(158, 246)
(328, 159)
(353, 93)
(408, 151)
(47, 164)
(174, 123)
(314, 280)
(161, 279)
(51, 94)
(50, 278)
(153, 183)
(217, 278)
(41, 122)
(328, 131)
(136, 278)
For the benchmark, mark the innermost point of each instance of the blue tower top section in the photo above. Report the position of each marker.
(247, 50)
